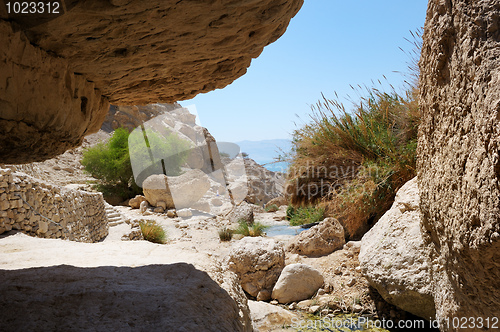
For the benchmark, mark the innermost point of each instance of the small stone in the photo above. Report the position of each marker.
(313, 309)
(321, 291)
(238, 236)
(264, 295)
(351, 282)
(274, 302)
(357, 308)
(161, 204)
(324, 312)
(292, 306)
(304, 304)
(159, 210)
(184, 213)
(171, 214)
(143, 206)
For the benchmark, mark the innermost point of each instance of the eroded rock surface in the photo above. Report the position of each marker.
(394, 257)
(123, 52)
(459, 155)
(322, 239)
(45, 108)
(258, 263)
(176, 191)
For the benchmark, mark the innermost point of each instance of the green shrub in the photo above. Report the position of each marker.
(257, 229)
(225, 234)
(168, 150)
(272, 208)
(153, 232)
(110, 164)
(304, 215)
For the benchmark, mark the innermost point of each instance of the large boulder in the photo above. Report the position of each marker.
(61, 71)
(263, 184)
(258, 263)
(395, 259)
(297, 282)
(458, 156)
(135, 202)
(173, 297)
(243, 211)
(176, 191)
(319, 240)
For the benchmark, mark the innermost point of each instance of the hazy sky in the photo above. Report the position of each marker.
(328, 46)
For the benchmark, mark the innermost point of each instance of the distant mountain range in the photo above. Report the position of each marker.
(265, 151)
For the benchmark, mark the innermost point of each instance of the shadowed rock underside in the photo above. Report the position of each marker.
(59, 76)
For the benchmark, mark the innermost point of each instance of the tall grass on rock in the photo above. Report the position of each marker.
(352, 163)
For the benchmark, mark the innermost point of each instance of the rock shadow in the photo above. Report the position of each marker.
(175, 297)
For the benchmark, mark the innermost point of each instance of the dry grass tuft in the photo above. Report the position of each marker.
(353, 163)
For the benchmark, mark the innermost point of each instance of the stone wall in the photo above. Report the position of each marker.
(40, 209)
(458, 155)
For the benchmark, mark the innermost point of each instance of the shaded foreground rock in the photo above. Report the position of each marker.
(123, 52)
(395, 259)
(458, 156)
(258, 263)
(297, 282)
(175, 297)
(322, 239)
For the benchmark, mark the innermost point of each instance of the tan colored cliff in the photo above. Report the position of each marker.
(458, 155)
(59, 73)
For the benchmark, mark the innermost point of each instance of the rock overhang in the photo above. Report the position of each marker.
(58, 77)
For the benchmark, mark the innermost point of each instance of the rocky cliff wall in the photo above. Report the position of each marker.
(45, 108)
(59, 72)
(459, 155)
(39, 209)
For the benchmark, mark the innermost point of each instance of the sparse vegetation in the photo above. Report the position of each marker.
(169, 151)
(304, 215)
(256, 229)
(153, 232)
(353, 163)
(110, 164)
(225, 234)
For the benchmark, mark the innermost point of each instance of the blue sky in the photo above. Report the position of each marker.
(329, 45)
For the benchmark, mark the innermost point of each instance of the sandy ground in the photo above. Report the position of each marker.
(195, 241)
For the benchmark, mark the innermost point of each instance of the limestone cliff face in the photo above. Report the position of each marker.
(131, 117)
(458, 154)
(57, 76)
